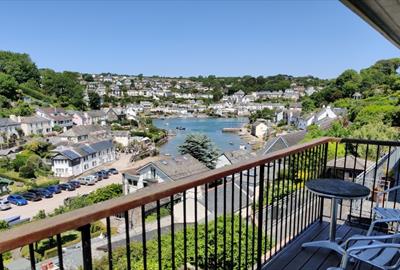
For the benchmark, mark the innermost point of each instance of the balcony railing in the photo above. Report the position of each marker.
(236, 217)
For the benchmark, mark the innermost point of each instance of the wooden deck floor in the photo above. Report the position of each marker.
(293, 257)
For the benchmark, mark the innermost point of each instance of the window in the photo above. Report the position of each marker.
(145, 184)
(153, 172)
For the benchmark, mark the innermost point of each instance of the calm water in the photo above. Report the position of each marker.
(212, 127)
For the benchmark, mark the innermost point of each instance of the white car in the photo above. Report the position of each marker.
(87, 181)
(4, 204)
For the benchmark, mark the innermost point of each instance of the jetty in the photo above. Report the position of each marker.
(231, 130)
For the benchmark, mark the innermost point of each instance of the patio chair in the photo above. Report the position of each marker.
(385, 215)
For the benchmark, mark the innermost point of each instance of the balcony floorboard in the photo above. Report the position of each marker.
(293, 257)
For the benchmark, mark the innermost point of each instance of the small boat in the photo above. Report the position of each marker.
(231, 143)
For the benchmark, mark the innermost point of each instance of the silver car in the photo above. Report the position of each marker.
(88, 181)
(4, 204)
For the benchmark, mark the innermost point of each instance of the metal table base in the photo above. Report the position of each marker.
(332, 242)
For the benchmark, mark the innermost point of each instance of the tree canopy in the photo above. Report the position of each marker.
(201, 148)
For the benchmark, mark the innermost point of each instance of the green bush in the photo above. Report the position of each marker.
(27, 171)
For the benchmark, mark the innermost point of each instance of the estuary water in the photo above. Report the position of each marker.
(212, 127)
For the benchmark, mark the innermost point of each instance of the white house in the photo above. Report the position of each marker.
(259, 128)
(33, 125)
(326, 113)
(167, 169)
(8, 128)
(74, 160)
(57, 116)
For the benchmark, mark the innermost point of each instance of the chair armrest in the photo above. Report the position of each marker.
(371, 237)
(388, 190)
(382, 245)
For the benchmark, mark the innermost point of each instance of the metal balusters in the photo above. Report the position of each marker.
(247, 219)
(184, 232)
(59, 252)
(206, 228)
(364, 175)
(86, 247)
(386, 176)
(309, 157)
(274, 214)
(253, 240)
(172, 233)
(396, 183)
(240, 218)
(1, 262)
(196, 253)
(375, 175)
(260, 218)
(32, 257)
(298, 195)
(224, 210)
(277, 207)
(266, 199)
(233, 221)
(343, 177)
(215, 224)
(144, 245)
(283, 199)
(353, 174)
(127, 240)
(302, 166)
(159, 235)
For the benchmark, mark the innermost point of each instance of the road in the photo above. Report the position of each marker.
(48, 205)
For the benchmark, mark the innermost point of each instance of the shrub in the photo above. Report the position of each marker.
(27, 171)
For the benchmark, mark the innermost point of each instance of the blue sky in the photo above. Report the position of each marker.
(173, 38)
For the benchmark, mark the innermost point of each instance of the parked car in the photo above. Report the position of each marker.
(87, 181)
(75, 183)
(98, 175)
(30, 196)
(55, 189)
(105, 174)
(17, 199)
(113, 171)
(44, 193)
(4, 204)
(67, 186)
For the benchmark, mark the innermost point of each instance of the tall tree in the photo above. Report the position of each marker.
(94, 100)
(19, 66)
(201, 148)
(8, 86)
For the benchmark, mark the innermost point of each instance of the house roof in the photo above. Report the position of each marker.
(282, 142)
(238, 156)
(84, 149)
(179, 167)
(76, 131)
(96, 113)
(349, 164)
(5, 122)
(33, 119)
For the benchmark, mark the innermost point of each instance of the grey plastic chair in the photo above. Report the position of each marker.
(385, 215)
(372, 250)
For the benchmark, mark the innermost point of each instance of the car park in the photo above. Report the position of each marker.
(4, 204)
(67, 186)
(113, 171)
(17, 199)
(30, 196)
(75, 183)
(55, 189)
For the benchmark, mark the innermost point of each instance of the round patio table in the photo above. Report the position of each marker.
(334, 189)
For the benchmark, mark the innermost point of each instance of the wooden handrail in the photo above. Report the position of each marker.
(41, 229)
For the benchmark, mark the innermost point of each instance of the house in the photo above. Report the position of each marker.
(260, 128)
(166, 169)
(94, 117)
(79, 134)
(348, 167)
(8, 129)
(316, 118)
(74, 160)
(33, 125)
(357, 95)
(58, 116)
(122, 137)
(282, 141)
(234, 157)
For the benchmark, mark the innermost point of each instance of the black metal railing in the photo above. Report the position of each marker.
(236, 217)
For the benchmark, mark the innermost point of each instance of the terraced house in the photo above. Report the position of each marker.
(74, 160)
